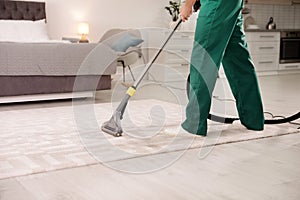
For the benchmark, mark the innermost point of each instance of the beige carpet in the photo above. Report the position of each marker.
(48, 139)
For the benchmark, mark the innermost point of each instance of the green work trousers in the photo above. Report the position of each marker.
(220, 37)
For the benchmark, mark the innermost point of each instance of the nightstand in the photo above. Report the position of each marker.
(71, 39)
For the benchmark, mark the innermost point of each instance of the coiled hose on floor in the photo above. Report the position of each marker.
(229, 120)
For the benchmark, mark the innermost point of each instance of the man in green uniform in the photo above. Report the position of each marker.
(219, 37)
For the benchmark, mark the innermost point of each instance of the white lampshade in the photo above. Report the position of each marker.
(83, 28)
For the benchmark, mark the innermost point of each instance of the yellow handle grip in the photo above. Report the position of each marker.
(131, 91)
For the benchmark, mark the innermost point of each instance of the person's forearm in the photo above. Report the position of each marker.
(186, 9)
(190, 3)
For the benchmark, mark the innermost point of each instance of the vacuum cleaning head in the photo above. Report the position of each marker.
(113, 126)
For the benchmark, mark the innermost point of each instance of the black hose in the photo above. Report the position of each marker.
(284, 120)
(228, 120)
(197, 5)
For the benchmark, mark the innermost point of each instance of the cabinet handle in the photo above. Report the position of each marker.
(266, 47)
(295, 2)
(184, 51)
(290, 39)
(184, 36)
(265, 62)
(291, 66)
(267, 36)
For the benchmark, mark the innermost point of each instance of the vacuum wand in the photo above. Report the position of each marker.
(149, 65)
(113, 126)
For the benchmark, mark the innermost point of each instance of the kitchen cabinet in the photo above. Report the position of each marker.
(175, 58)
(289, 66)
(177, 54)
(281, 2)
(264, 48)
(172, 65)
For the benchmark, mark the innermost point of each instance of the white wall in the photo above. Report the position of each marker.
(63, 15)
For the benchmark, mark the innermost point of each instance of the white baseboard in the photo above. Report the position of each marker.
(285, 72)
(44, 97)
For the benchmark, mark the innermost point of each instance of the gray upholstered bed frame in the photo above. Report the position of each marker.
(36, 85)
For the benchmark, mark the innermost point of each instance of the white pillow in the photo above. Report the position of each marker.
(23, 31)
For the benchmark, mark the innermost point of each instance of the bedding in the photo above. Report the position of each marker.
(40, 41)
(23, 31)
(54, 59)
(51, 68)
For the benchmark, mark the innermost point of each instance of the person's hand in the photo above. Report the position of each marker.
(185, 12)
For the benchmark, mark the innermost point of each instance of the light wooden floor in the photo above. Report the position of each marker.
(260, 169)
(263, 169)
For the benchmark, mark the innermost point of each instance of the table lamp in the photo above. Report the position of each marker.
(83, 29)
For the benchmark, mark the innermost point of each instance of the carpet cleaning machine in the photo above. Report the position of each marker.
(113, 126)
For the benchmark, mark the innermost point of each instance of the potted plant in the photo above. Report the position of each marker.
(173, 10)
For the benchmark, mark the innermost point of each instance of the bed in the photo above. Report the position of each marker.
(44, 70)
